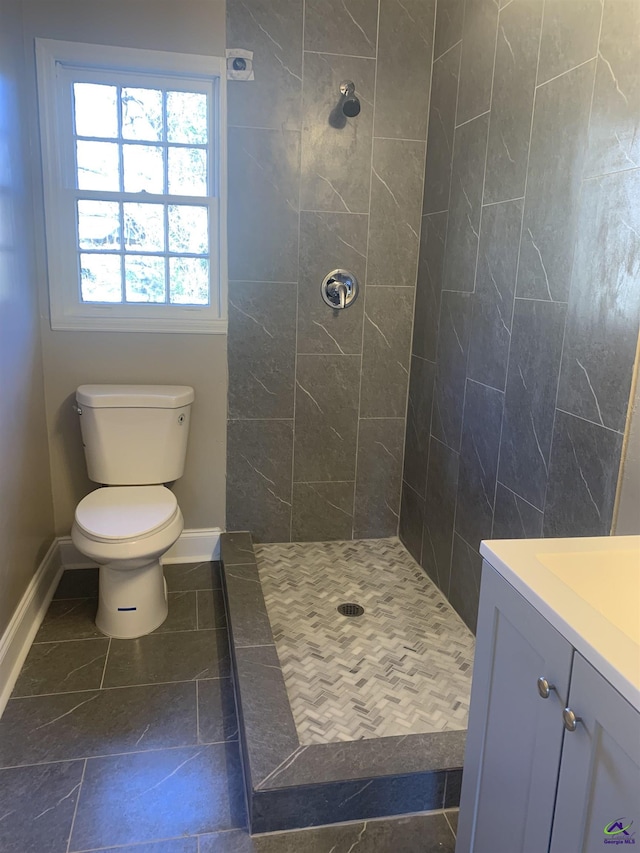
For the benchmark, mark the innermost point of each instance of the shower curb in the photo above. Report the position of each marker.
(289, 786)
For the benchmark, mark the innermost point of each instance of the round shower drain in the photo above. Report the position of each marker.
(350, 609)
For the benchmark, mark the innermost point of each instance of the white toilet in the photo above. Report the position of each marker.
(135, 439)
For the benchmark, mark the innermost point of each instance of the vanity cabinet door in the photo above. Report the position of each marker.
(599, 785)
(514, 739)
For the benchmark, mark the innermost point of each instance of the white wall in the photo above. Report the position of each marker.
(26, 514)
(71, 358)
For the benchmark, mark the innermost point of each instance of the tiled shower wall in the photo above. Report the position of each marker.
(528, 295)
(317, 398)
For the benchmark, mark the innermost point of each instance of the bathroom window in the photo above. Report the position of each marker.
(133, 168)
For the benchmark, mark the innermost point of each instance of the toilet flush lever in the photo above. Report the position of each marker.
(77, 409)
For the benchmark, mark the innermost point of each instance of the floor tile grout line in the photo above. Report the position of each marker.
(77, 803)
(124, 686)
(100, 638)
(138, 844)
(170, 591)
(444, 792)
(103, 755)
(74, 597)
(106, 660)
(446, 817)
(197, 713)
(197, 836)
(155, 633)
(285, 832)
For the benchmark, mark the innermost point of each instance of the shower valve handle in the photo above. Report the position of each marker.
(339, 289)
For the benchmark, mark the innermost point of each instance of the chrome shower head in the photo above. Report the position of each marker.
(350, 103)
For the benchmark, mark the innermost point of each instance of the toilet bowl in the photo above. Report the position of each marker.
(126, 530)
(135, 439)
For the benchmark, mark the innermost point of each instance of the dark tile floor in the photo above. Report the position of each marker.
(132, 745)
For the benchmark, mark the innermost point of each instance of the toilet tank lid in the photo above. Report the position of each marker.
(135, 396)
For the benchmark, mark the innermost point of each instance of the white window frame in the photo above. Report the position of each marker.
(55, 60)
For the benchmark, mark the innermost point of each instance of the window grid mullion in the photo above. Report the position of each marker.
(165, 143)
(165, 139)
(204, 256)
(212, 150)
(145, 197)
(167, 268)
(123, 290)
(141, 142)
(76, 213)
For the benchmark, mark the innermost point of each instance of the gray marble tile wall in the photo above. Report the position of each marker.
(318, 398)
(528, 295)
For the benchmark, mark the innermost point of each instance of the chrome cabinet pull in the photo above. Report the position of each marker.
(544, 688)
(570, 720)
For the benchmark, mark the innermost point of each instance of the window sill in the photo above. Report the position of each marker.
(159, 325)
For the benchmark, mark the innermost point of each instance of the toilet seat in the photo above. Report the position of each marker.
(119, 513)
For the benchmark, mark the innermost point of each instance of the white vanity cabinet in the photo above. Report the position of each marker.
(599, 781)
(530, 784)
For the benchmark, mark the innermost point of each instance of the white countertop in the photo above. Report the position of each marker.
(589, 590)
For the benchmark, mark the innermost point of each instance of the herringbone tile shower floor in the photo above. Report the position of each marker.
(404, 667)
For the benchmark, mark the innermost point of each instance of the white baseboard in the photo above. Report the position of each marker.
(193, 546)
(70, 557)
(16, 640)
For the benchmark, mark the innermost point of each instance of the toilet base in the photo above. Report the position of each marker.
(132, 601)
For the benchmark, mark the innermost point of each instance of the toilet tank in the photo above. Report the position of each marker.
(134, 435)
